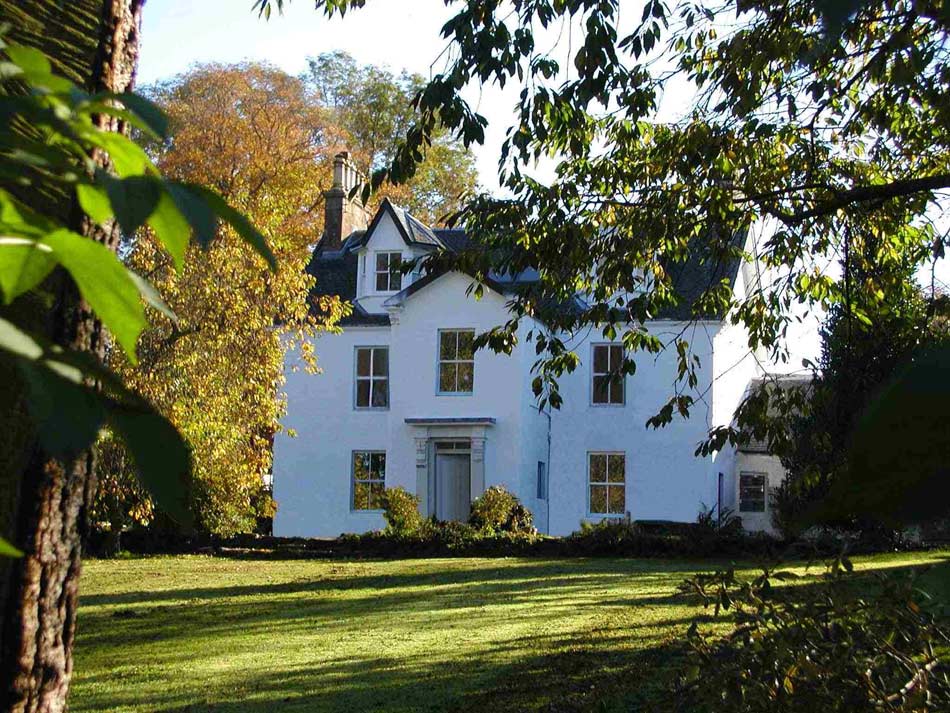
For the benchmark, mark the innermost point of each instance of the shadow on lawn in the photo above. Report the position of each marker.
(576, 678)
(592, 669)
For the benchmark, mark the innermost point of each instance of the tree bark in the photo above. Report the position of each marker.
(41, 591)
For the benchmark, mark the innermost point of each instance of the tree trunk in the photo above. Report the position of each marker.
(41, 588)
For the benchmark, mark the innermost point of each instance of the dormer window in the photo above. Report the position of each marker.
(388, 272)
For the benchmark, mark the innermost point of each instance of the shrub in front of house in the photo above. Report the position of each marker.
(499, 510)
(401, 510)
(844, 642)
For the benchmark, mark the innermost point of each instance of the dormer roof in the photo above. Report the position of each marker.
(336, 272)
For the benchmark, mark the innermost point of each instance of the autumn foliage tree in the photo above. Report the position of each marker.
(255, 135)
(372, 108)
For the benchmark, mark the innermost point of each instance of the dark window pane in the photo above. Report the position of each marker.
(601, 389)
(616, 500)
(616, 389)
(598, 468)
(380, 362)
(466, 374)
(360, 496)
(752, 492)
(395, 278)
(378, 466)
(447, 345)
(600, 360)
(376, 496)
(615, 468)
(362, 393)
(447, 377)
(361, 465)
(382, 262)
(382, 281)
(598, 498)
(380, 393)
(616, 358)
(362, 362)
(466, 345)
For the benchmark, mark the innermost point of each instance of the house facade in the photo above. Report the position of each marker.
(403, 400)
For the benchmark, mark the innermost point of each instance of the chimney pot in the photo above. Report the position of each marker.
(342, 215)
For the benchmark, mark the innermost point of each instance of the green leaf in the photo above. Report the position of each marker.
(24, 263)
(241, 225)
(133, 199)
(104, 283)
(36, 68)
(152, 296)
(95, 201)
(8, 550)
(171, 228)
(69, 414)
(161, 456)
(127, 157)
(195, 210)
(29, 59)
(147, 111)
(18, 219)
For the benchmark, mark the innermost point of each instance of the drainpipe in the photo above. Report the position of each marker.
(719, 498)
(547, 484)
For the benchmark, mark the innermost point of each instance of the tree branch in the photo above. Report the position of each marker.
(861, 194)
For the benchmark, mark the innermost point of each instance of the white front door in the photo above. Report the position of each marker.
(453, 486)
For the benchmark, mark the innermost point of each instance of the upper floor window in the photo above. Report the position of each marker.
(456, 361)
(372, 377)
(388, 272)
(608, 375)
(607, 484)
(369, 479)
(752, 492)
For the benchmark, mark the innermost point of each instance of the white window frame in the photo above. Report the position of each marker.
(389, 271)
(594, 374)
(765, 491)
(607, 484)
(368, 481)
(371, 378)
(439, 361)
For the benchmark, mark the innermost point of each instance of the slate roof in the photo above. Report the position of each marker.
(335, 272)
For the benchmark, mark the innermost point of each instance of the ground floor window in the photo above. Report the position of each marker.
(607, 484)
(752, 492)
(542, 480)
(369, 479)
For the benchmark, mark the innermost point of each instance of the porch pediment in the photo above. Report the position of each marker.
(483, 421)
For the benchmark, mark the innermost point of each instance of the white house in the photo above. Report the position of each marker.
(403, 401)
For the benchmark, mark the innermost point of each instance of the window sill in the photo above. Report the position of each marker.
(454, 393)
(371, 408)
(607, 516)
(593, 405)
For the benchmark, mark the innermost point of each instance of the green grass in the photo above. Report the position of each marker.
(227, 635)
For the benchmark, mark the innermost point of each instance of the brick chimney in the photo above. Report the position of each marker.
(342, 215)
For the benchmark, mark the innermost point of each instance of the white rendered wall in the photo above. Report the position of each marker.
(665, 481)
(758, 463)
(499, 386)
(312, 470)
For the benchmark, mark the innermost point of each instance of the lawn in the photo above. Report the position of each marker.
(216, 634)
